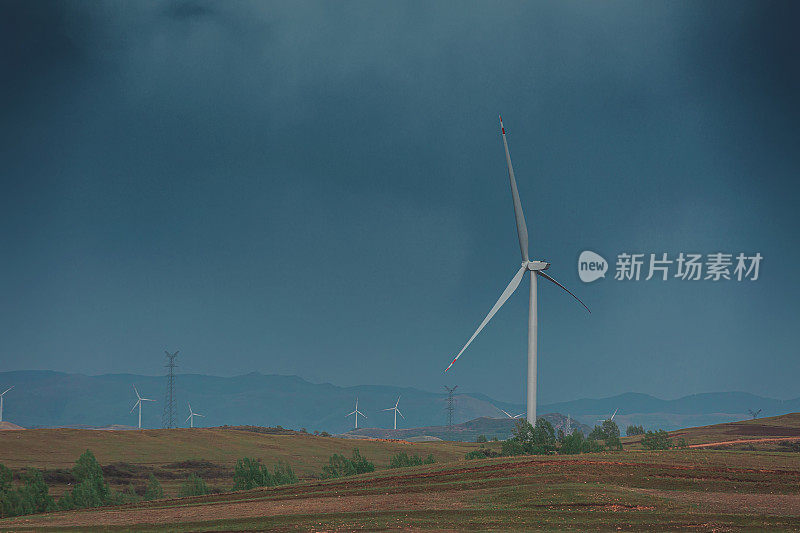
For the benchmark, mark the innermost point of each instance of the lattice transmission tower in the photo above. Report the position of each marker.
(168, 416)
(451, 407)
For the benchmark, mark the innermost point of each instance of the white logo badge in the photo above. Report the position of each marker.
(591, 266)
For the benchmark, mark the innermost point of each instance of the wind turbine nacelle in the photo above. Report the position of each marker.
(537, 265)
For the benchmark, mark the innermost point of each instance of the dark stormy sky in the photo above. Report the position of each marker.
(320, 189)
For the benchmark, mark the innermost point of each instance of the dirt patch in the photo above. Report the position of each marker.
(741, 441)
(761, 430)
(728, 502)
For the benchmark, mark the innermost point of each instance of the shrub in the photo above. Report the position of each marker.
(402, 460)
(632, 431)
(481, 438)
(608, 432)
(33, 495)
(681, 443)
(250, 473)
(577, 443)
(656, 440)
(339, 465)
(91, 489)
(153, 490)
(481, 453)
(531, 440)
(194, 486)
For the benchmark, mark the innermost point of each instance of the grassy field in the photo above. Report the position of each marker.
(131, 456)
(689, 489)
(682, 490)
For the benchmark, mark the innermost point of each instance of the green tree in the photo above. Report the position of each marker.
(249, 473)
(402, 460)
(194, 486)
(153, 490)
(33, 494)
(632, 431)
(481, 438)
(656, 440)
(339, 465)
(91, 489)
(608, 432)
(9, 497)
(531, 440)
(577, 443)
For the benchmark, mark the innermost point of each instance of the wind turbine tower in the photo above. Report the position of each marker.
(1, 401)
(396, 411)
(356, 413)
(191, 416)
(138, 404)
(534, 268)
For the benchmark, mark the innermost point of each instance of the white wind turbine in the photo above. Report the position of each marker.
(357, 412)
(534, 267)
(509, 414)
(612, 417)
(396, 411)
(138, 403)
(1, 401)
(191, 416)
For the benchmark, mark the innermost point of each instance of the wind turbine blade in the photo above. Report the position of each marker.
(348, 414)
(545, 276)
(505, 413)
(137, 392)
(522, 228)
(134, 405)
(399, 413)
(389, 409)
(146, 400)
(188, 417)
(515, 281)
(8, 389)
(397, 402)
(615, 414)
(362, 414)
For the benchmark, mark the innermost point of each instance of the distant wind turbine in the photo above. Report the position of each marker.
(396, 412)
(610, 419)
(534, 267)
(138, 403)
(509, 415)
(192, 414)
(356, 413)
(1, 401)
(753, 413)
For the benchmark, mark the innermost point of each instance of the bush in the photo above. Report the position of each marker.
(91, 489)
(531, 440)
(656, 440)
(33, 494)
(153, 490)
(481, 438)
(339, 465)
(402, 460)
(608, 432)
(250, 473)
(681, 443)
(632, 431)
(481, 453)
(577, 443)
(194, 486)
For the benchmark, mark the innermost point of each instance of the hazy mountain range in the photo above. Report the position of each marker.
(50, 399)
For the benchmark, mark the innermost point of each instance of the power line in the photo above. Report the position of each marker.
(168, 417)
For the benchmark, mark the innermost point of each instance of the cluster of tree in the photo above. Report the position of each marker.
(250, 473)
(402, 460)
(659, 440)
(340, 466)
(89, 490)
(632, 431)
(608, 432)
(482, 438)
(28, 498)
(542, 439)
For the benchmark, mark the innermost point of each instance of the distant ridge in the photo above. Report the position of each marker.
(5, 425)
(57, 399)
